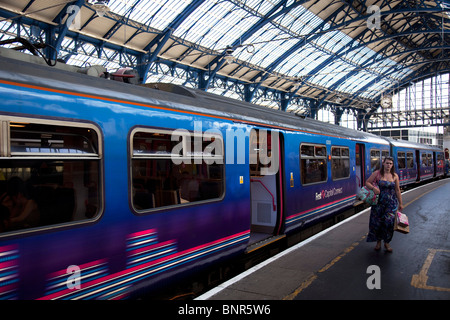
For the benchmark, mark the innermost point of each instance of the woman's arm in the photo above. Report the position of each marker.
(370, 183)
(398, 192)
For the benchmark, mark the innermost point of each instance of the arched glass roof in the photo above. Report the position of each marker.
(288, 54)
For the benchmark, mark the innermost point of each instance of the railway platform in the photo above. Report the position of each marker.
(338, 263)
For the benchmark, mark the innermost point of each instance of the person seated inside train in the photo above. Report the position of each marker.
(23, 211)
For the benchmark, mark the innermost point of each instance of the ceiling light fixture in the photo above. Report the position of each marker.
(100, 7)
(229, 55)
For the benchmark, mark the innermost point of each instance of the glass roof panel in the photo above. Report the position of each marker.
(375, 89)
(330, 73)
(269, 43)
(260, 7)
(215, 25)
(299, 21)
(356, 82)
(278, 36)
(332, 41)
(302, 62)
(218, 24)
(155, 14)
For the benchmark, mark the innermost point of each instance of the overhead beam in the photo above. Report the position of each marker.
(279, 9)
(398, 10)
(160, 41)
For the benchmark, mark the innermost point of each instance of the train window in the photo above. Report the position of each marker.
(174, 168)
(410, 160)
(384, 154)
(320, 151)
(313, 163)
(27, 139)
(401, 160)
(430, 159)
(307, 151)
(374, 159)
(424, 160)
(261, 145)
(440, 159)
(49, 173)
(340, 163)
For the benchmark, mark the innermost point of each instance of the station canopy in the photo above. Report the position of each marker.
(291, 53)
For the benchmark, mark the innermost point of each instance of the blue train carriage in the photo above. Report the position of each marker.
(118, 206)
(425, 162)
(135, 187)
(416, 162)
(439, 158)
(377, 150)
(325, 167)
(406, 155)
(426, 159)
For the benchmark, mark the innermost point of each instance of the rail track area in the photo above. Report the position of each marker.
(338, 263)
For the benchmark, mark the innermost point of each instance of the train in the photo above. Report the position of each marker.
(110, 189)
(416, 162)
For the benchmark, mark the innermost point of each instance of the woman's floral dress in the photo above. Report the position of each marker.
(382, 215)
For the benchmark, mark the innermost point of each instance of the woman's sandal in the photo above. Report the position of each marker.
(378, 246)
(387, 247)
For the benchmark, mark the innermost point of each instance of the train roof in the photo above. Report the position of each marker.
(410, 144)
(170, 96)
(271, 117)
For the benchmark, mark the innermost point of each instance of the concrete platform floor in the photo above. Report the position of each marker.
(338, 263)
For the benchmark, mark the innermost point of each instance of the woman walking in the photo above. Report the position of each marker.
(385, 183)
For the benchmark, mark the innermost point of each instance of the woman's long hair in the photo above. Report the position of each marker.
(392, 168)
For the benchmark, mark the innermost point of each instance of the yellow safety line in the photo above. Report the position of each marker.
(305, 284)
(420, 280)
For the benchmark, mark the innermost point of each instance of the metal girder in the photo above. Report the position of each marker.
(63, 28)
(387, 34)
(78, 39)
(412, 118)
(349, 16)
(120, 22)
(359, 45)
(22, 19)
(191, 76)
(334, 26)
(149, 57)
(425, 72)
(279, 9)
(294, 48)
(434, 116)
(361, 41)
(422, 72)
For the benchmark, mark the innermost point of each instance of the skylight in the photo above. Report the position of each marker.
(327, 60)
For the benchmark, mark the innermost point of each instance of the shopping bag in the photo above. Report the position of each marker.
(402, 219)
(401, 228)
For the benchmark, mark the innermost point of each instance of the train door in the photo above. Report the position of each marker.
(266, 184)
(434, 165)
(359, 155)
(418, 164)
